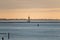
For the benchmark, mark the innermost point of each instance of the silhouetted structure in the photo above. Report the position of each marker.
(2, 38)
(28, 19)
(8, 35)
(38, 25)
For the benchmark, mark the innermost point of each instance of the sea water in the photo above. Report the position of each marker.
(30, 31)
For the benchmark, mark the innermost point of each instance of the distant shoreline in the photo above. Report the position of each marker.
(30, 19)
(29, 22)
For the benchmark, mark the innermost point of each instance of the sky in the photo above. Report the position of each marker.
(36, 9)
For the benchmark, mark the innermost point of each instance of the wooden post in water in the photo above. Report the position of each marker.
(2, 38)
(8, 35)
(38, 25)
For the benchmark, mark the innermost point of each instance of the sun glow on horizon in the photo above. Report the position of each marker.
(34, 13)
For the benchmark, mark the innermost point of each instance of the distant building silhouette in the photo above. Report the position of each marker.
(28, 19)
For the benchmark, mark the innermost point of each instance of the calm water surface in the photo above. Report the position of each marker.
(30, 31)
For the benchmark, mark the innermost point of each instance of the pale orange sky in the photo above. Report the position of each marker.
(36, 9)
(36, 13)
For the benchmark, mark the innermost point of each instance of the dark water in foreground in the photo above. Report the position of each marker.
(30, 31)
